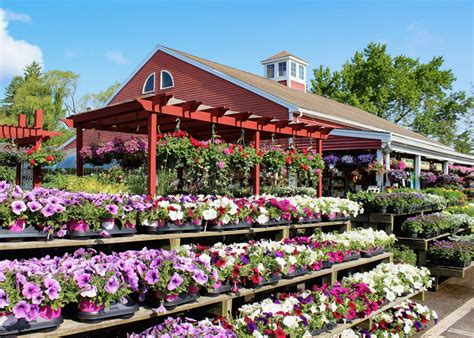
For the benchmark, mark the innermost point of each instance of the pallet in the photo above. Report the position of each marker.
(219, 305)
(173, 239)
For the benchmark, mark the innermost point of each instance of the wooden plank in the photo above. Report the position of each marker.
(419, 243)
(61, 242)
(445, 271)
(381, 218)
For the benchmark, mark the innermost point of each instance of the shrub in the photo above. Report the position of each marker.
(403, 254)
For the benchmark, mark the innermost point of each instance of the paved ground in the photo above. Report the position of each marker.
(454, 302)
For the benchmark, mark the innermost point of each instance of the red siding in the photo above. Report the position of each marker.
(283, 82)
(350, 143)
(297, 86)
(99, 137)
(192, 83)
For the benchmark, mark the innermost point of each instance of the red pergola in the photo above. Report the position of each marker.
(147, 114)
(24, 135)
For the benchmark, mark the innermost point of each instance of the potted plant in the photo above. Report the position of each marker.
(451, 253)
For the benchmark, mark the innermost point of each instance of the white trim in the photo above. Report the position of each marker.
(68, 142)
(384, 137)
(146, 81)
(283, 58)
(161, 79)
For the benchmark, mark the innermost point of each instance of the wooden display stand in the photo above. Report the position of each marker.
(438, 272)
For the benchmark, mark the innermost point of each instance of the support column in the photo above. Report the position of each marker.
(256, 171)
(320, 183)
(21, 123)
(446, 168)
(79, 145)
(379, 177)
(387, 167)
(417, 171)
(152, 125)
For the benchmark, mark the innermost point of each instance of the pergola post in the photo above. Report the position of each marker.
(256, 172)
(79, 145)
(417, 171)
(152, 125)
(320, 183)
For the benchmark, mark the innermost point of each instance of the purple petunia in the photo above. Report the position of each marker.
(200, 277)
(175, 282)
(48, 210)
(4, 302)
(112, 209)
(31, 290)
(152, 276)
(18, 207)
(112, 285)
(34, 206)
(21, 310)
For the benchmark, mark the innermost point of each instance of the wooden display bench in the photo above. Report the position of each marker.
(390, 223)
(367, 322)
(438, 272)
(219, 305)
(173, 240)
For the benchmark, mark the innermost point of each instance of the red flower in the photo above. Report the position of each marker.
(279, 333)
(29, 152)
(288, 160)
(49, 158)
(337, 315)
(32, 162)
(244, 155)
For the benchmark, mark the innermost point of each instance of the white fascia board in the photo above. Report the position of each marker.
(433, 154)
(199, 65)
(384, 137)
(283, 58)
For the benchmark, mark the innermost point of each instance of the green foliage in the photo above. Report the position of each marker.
(453, 196)
(403, 255)
(400, 89)
(7, 174)
(90, 183)
(96, 100)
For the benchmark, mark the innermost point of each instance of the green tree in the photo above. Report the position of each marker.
(398, 88)
(96, 100)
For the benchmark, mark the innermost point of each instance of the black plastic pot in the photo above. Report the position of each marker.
(380, 210)
(183, 298)
(28, 234)
(296, 273)
(373, 253)
(224, 288)
(327, 265)
(272, 280)
(272, 223)
(12, 326)
(351, 257)
(114, 232)
(449, 262)
(124, 309)
(170, 227)
(308, 220)
(230, 226)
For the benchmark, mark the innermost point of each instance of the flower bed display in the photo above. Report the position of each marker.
(84, 215)
(432, 225)
(398, 202)
(451, 253)
(405, 319)
(453, 197)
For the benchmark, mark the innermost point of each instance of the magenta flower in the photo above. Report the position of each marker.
(112, 209)
(175, 282)
(83, 279)
(21, 310)
(48, 210)
(152, 276)
(112, 285)
(34, 206)
(18, 207)
(52, 288)
(31, 290)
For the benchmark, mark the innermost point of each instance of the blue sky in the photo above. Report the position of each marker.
(104, 41)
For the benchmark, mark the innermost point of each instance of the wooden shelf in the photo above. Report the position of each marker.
(367, 321)
(447, 271)
(419, 243)
(221, 305)
(174, 239)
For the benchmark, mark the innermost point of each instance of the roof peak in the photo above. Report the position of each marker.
(282, 54)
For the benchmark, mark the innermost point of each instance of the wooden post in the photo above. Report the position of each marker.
(38, 119)
(256, 172)
(152, 125)
(79, 145)
(320, 183)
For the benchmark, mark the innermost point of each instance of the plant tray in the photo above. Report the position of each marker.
(351, 257)
(327, 265)
(224, 288)
(234, 226)
(172, 228)
(29, 234)
(271, 223)
(183, 298)
(373, 253)
(449, 263)
(115, 232)
(122, 310)
(271, 280)
(296, 273)
(12, 326)
(309, 220)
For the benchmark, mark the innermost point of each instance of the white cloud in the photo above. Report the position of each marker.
(116, 56)
(15, 54)
(21, 17)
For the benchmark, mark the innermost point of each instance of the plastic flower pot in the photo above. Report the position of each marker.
(108, 224)
(171, 301)
(351, 257)
(170, 227)
(297, 272)
(229, 226)
(81, 230)
(47, 312)
(20, 231)
(272, 223)
(327, 265)
(380, 210)
(10, 326)
(329, 217)
(90, 312)
(218, 290)
(273, 279)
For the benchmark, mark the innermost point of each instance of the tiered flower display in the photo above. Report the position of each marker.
(431, 225)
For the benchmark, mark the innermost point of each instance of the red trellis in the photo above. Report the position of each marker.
(24, 135)
(147, 114)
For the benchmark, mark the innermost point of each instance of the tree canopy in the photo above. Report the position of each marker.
(401, 89)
